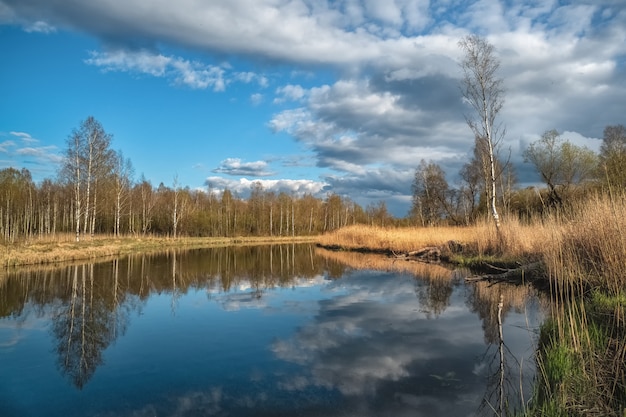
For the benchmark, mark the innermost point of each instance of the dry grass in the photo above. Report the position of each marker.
(591, 245)
(400, 239)
(515, 241)
(584, 353)
(64, 248)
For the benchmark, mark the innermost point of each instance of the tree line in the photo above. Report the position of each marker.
(568, 172)
(95, 192)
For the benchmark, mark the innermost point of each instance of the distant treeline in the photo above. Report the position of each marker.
(95, 193)
(28, 210)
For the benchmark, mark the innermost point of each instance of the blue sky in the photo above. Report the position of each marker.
(321, 96)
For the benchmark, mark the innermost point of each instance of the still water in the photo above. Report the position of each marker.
(286, 330)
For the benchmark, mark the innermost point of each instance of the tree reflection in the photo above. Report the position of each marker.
(91, 303)
(175, 272)
(504, 395)
(85, 325)
(434, 295)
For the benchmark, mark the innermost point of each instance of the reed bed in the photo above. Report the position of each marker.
(515, 240)
(582, 356)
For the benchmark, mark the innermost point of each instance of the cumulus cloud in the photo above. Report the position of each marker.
(289, 92)
(234, 166)
(243, 186)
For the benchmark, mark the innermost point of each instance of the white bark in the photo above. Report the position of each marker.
(482, 90)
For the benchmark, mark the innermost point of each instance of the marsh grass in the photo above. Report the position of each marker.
(582, 352)
(516, 241)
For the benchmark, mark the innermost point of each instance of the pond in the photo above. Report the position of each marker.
(266, 330)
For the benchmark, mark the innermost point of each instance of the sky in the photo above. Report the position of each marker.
(305, 96)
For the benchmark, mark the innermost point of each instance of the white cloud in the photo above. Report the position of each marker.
(248, 77)
(141, 61)
(234, 166)
(42, 154)
(181, 71)
(199, 76)
(289, 92)
(256, 99)
(25, 137)
(243, 186)
(40, 27)
(4, 146)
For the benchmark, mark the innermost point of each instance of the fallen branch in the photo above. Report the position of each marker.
(431, 253)
(528, 272)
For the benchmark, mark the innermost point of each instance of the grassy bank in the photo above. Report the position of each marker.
(582, 352)
(63, 248)
(480, 241)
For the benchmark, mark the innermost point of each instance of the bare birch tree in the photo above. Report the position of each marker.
(98, 162)
(123, 172)
(71, 172)
(88, 158)
(147, 204)
(482, 90)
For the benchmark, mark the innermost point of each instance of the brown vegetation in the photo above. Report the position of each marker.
(480, 239)
(64, 248)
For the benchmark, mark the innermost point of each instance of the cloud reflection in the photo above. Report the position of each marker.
(374, 339)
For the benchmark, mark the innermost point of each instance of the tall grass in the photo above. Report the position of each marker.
(582, 352)
(515, 240)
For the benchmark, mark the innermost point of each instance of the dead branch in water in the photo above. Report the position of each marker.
(431, 253)
(528, 272)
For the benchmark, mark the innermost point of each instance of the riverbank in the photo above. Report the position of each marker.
(582, 251)
(64, 248)
(471, 247)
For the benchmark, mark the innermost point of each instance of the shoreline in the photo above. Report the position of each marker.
(53, 251)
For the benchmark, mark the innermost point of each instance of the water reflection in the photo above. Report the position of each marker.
(283, 330)
(508, 368)
(85, 325)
